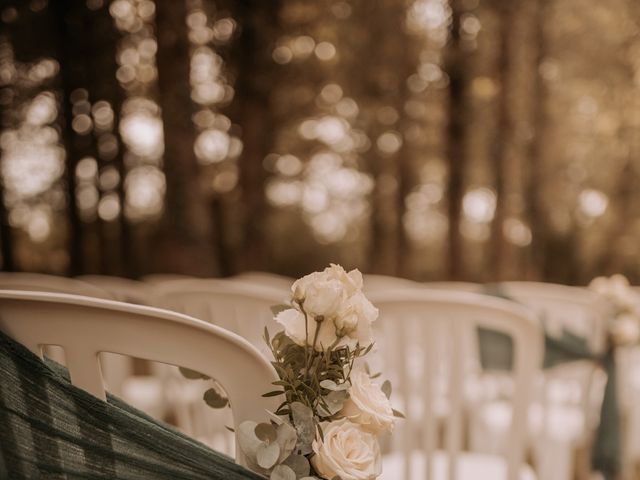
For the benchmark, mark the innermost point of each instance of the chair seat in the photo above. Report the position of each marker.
(471, 466)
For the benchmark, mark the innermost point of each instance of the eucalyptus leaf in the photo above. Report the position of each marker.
(282, 472)
(386, 388)
(266, 432)
(247, 439)
(299, 464)
(192, 374)
(267, 455)
(329, 384)
(335, 401)
(275, 418)
(287, 439)
(214, 399)
(305, 426)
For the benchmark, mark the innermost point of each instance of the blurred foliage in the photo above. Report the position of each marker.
(462, 139)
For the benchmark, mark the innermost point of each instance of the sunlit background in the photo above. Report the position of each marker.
(432, 139)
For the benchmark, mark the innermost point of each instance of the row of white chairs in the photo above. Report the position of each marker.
(412, 349)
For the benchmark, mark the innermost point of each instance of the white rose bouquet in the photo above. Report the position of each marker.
(333, 411)
(624, 327)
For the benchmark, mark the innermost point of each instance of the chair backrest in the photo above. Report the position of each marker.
(457, 286)
(420, 328)
(156, 278)
(374, 283)
(243, 308)
(85, 327)
(38, 282)
(576, 309)
(121, 289)
(266, 279)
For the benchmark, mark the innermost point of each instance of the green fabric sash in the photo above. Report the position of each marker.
(496, 353)
(51, 429)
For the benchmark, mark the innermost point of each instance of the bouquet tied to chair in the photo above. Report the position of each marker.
(333, 410)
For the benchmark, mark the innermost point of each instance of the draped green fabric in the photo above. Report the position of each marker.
(496, 353)
(50, 429)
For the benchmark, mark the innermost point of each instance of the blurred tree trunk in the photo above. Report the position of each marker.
(256, 73)
(104, 42)
(506, 142)
(184, 237)
(382, 86)
(455, 68)
(536, 177)
(6, 241)
(72, 76)
(503, 137)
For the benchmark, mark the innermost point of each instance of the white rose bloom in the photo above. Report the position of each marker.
(323, 298)
(347, 451)
(625, 330)
(336, 296)
(600, 285)
(352, 281)
(355, 319)
(293, 322)
(367, 404)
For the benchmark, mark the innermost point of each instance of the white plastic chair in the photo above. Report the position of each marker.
(456, 286)
(566, 411)
(374, 283)
(86, 327)
(421, 340)
(270, 280)
(243, 308)
(38, 282)
(240, 307)
(158, 278)
(121, 289)
(116, 368)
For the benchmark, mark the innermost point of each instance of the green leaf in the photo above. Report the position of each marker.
(192, 374)
(266, 432)
(267, 455)
(386, 388)
(275, 393)
(282, 472)
(299, 464)
(214, 399)
(368, 349)
(397, 413)
(276, 309)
